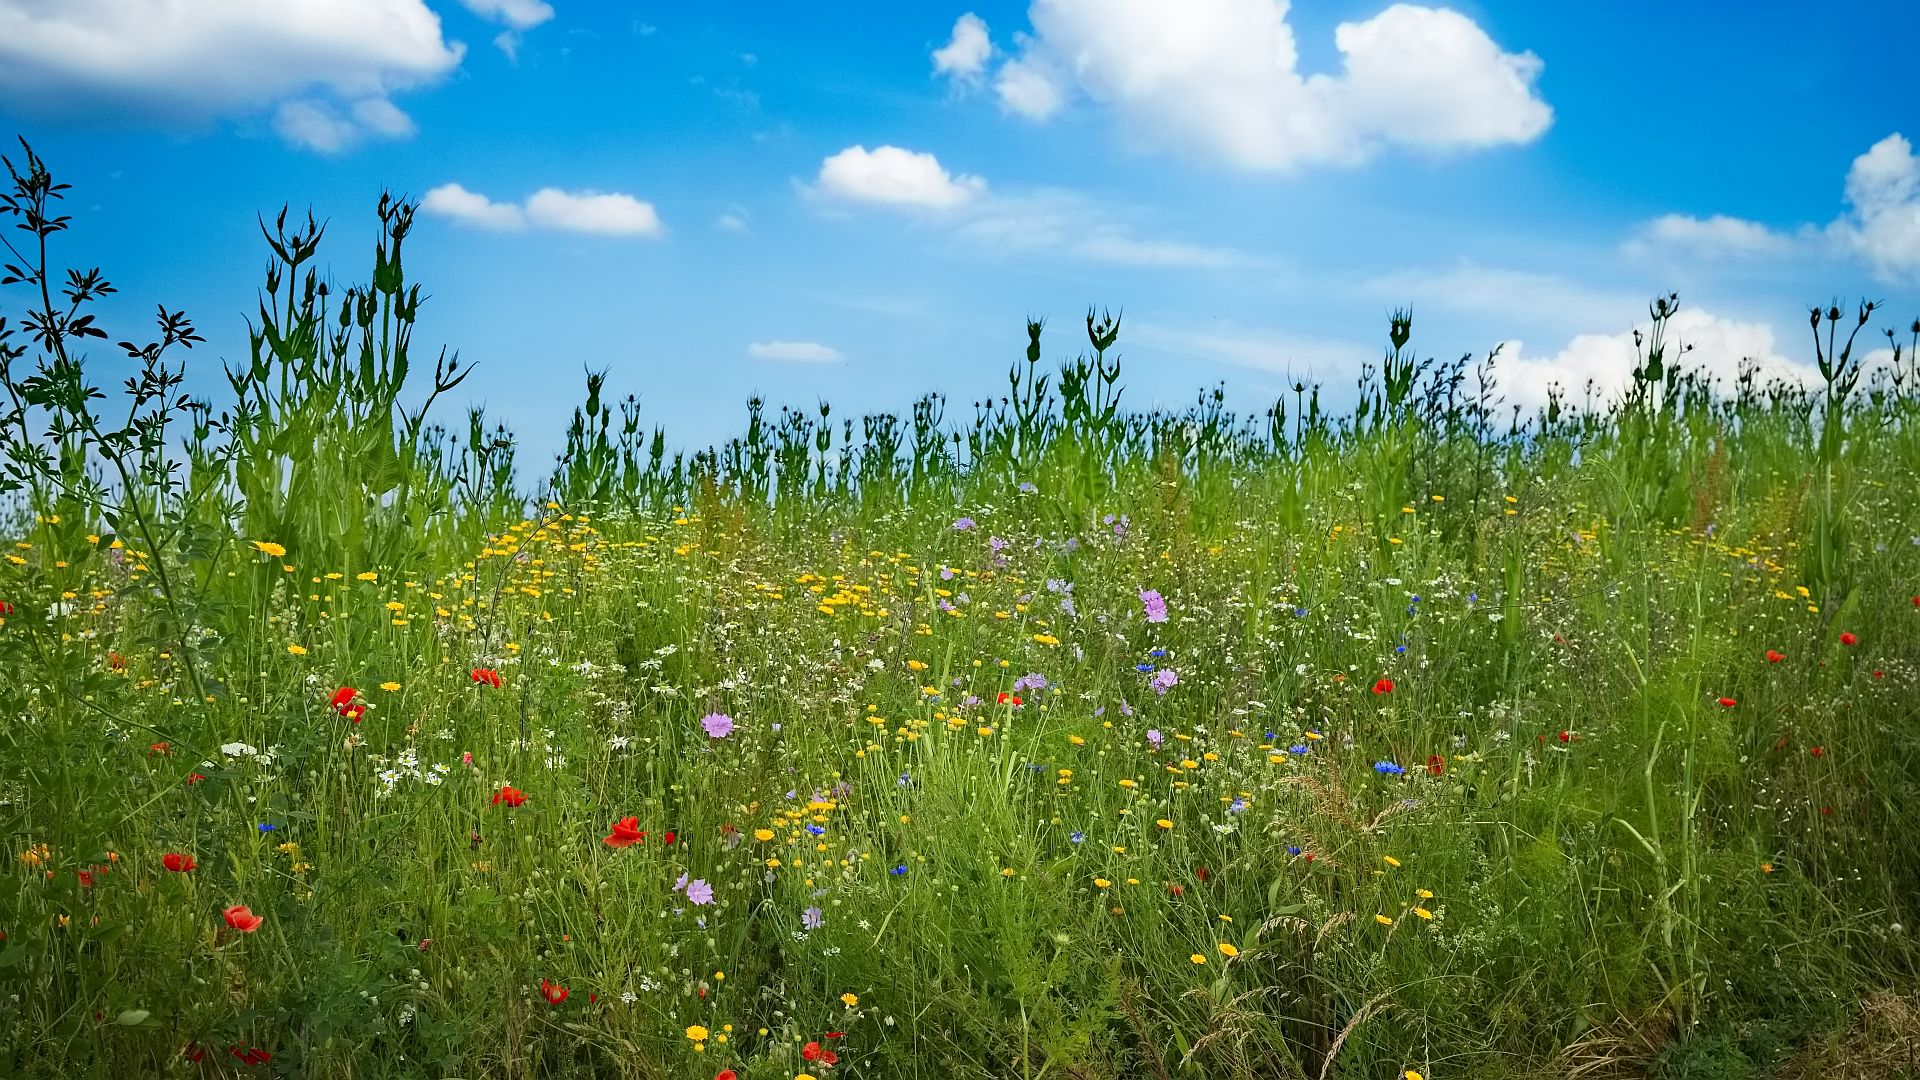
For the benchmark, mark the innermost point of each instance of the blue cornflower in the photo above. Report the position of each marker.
(817, 830)
(1297, 748)
(1143, 668)
(264, 827)
(1077, 836)
(1388, 768)
(1293, 849)
(898, 870)
(1156, 653)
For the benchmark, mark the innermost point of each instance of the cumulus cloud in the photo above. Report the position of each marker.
(324, 69)
(592, 212)
(794, 352)
(1222, 78)
(1879, 225)
(964, 56)
(891, 176)
(1719, 347)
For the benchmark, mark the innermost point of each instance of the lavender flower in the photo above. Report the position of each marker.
(699, 892)
(963, 524)
(1164, 680)
(717, 725)
(812, 919)
(1154, 737)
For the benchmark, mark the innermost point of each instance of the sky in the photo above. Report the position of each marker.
(863, 202)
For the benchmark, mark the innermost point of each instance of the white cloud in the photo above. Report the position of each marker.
(1880, 224)
(517, 14)
(1026, 88)
(889, 175)
(1719, 347)
(194, 60)
(472, 208)
(734, 219)
(964, 56)
(798, 352)
(1222, 77)
(1883, 227)
(603, 213)
(598, 213)
(1710, 236)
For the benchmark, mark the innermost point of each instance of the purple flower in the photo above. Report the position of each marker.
(717, 725)
(812, 919)
(995, 543)
(680, 884)
(963, 524)
(699, 892)
(1035, 681)
(1164, 680)
(1156, 605)
(1154, 737)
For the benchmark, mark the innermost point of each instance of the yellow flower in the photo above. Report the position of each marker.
(1098, 883)
(1383, 920)
(1423, 913)
(849, 1000)
(1390, 860)
(1228, 950)
(389, 687)
(1198, 958)
(268, 547)
(297, 650)
(806, 1076)
(1164, 823)
(1411, 1075)
(697, 1033)
(1424, 894)
(763, 835)
(1006, 871)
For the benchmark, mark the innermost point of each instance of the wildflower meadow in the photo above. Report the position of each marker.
(1037, 736)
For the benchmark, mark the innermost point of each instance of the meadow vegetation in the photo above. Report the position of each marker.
(1437, 738)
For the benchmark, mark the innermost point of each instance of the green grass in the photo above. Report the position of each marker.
(1549, 849)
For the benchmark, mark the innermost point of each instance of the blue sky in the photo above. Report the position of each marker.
(864, 202)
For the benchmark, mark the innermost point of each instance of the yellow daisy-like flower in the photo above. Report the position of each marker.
(297, 650)
(390, 687)
(1098, 883)
(268, 547)
(367, 576)
(1383, 920)
(1198, 958)
(1411, 1075)
(849, 1000)
(1164, 823)
(763, 835)
(1424, 894)
(1006, 871)
(1228, 951)
(1423, 913)
(1390, 860)
(697, 1033)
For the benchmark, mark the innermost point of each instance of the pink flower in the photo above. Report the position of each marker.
(717, 725)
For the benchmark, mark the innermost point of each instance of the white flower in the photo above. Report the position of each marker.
(237, 749)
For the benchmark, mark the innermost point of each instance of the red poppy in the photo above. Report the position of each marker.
(1774, 656)
(1728, 703)
(1008, 699)
(1817, 751)
(1201, 873)
(1176, 890)
(241, 918)
(726, 1074)
(178, 863)
(813, 1051)
(116, 662)
(86, 878)
(194, 778)
(1383, 685)
(343, 699)
(1568, 736)
(6, 609)
(1878, 674)
(835, 1034)
(1436, 765)
(626, 833)
(354, 712)
(1847, 638)
(193, 1052)
(251, 1055)
(160, 749)
(670, 837)
(486, 676)
(512, 796)
(553, 993)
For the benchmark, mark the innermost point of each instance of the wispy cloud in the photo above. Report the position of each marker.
(593, 212)
(794, 352)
